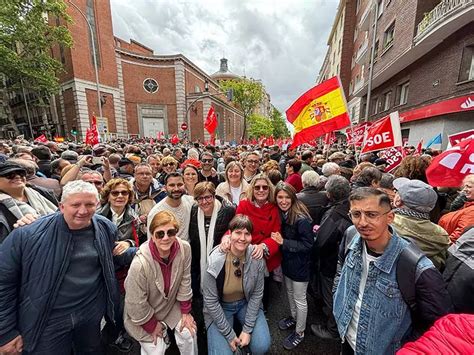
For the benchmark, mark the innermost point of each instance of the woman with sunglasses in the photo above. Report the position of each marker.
(259, 206)
(116, 199)
(210, 219)
(233, 289)
(158, 290)
(296, 241)
(168, 165)
(19, 201)
(190, 176)
(234, 188)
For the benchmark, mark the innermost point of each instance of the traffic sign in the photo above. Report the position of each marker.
(184, 126)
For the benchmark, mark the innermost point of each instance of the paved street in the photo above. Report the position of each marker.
(278, 309)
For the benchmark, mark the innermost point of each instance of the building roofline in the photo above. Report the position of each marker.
(166, 57)
(341, 6)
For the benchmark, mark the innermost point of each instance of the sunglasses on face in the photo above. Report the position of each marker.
(13, 174)
(207, 160)
(96, 183)
(116, 193)
(170, 233)
(261, 187)
(168, 164)
(236, 264)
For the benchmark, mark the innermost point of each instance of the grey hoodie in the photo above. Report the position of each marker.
(253, 279)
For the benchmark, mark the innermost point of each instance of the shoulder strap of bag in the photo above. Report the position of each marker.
(406, 274)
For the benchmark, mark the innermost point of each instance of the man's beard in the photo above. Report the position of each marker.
(176, 197)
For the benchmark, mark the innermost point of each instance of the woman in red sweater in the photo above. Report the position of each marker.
(259, 206)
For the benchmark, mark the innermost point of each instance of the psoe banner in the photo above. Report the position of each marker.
(383, 134)
(456, 138)
(393, 156)
(355, 135)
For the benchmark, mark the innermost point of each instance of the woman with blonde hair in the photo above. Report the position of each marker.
(158, 290)
(168, 165)
(234, 188)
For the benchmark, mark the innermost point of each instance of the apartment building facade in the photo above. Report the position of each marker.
(414, 57)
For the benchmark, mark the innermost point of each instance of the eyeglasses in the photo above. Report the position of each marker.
(261, 187)
(207, 160)
(13, 174)
(253, 161)
(116, 193)
(370, 216)
(207, 198)
(170, 233)
(236, 264)
(169, 164)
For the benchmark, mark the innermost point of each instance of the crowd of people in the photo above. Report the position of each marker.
(128, 243)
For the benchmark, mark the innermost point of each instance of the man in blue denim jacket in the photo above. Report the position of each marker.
(371, 315)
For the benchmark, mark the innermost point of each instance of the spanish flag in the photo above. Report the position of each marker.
(318, 111)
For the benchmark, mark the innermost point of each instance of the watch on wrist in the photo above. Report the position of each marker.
(266, 252)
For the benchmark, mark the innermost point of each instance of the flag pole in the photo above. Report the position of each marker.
(350, 118)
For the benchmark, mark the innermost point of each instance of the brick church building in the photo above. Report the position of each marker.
(141, 94)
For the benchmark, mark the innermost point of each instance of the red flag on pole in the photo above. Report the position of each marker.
(450, 167)
(174, 139)
(211, 121)
(41, 138)
(418, 150)
(330, 138)
(92, 133)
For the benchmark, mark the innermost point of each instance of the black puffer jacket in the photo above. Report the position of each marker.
(298, 239)
(316, 202)
(329, 236)
(224, 216)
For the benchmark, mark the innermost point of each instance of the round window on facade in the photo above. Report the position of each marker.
(150, 85)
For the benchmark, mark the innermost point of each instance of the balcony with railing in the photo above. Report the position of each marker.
(365, 18)
(362, 52)
(443, 13)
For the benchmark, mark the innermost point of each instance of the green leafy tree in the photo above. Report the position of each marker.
(280, 130)
(247, 94)
(259, 126)
(27, 34)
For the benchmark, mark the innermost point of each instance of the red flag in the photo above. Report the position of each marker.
(211, 121)
(330, 138)
(174, 139)
(320, 110)
(152, 142)
(384, 133)
(92, 133)
(450, 167)
(270, 141)
(159, 135)
(41, 138)
(418, 149)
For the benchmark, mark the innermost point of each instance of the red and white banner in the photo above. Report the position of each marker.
(330, 138)
(450, 167)
(393, 156)
(92, 133)
(456, 138)
(41, 138)
(355, 135)
(384, 133)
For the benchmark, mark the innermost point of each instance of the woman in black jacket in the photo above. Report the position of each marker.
(296, 241)
(210, 218)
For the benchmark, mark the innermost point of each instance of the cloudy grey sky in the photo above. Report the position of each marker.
(283, 42)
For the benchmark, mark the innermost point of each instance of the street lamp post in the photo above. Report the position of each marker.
(94, 56)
